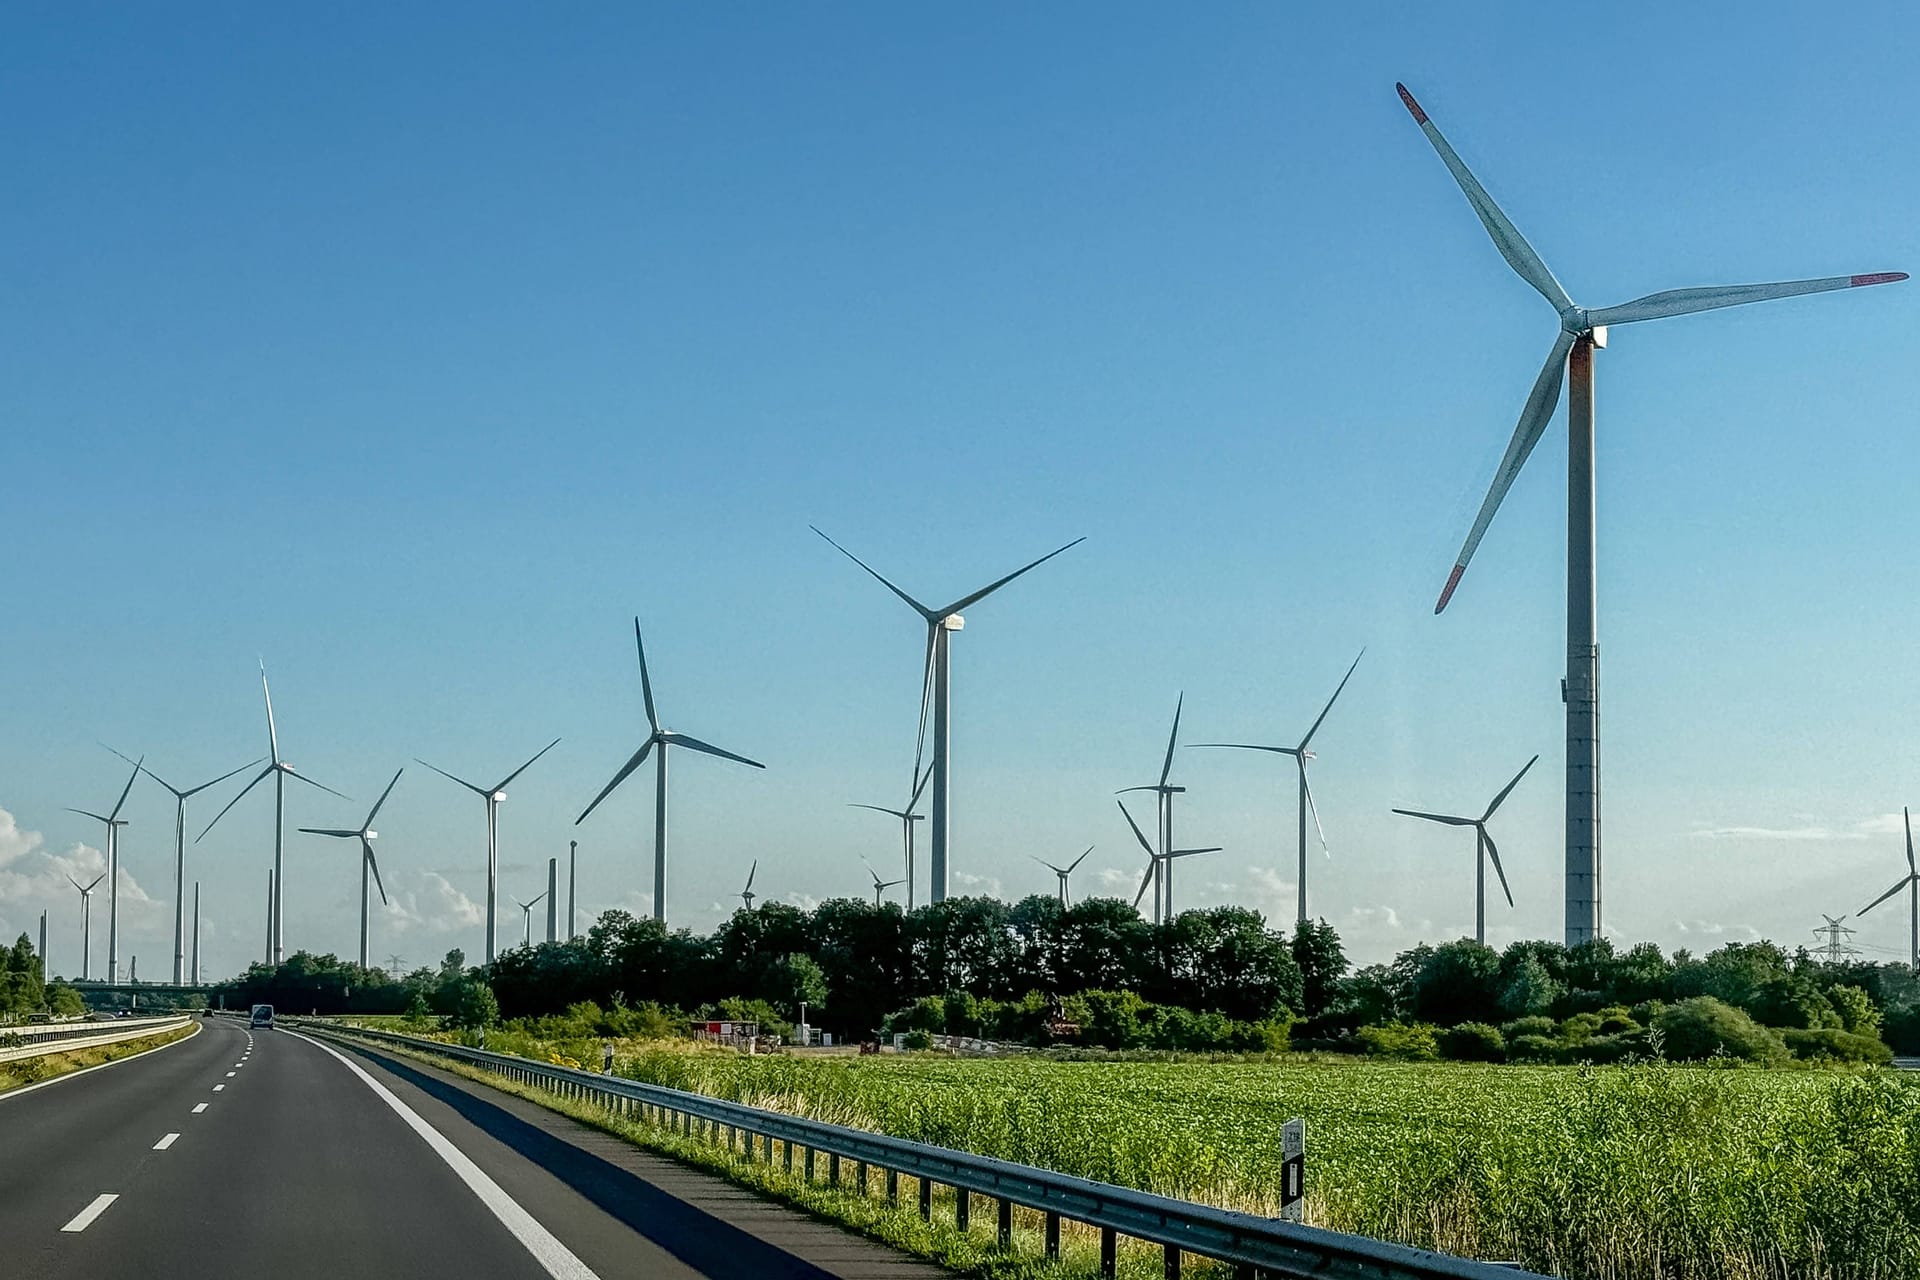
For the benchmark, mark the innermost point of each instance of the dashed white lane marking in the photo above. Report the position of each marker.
(232, 1074)
(84, 1219)
(239, 1064)
(554, 1257)
(217, 1088)
(166, 1142)
(198, 1107)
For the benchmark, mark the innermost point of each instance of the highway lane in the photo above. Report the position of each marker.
(306, 1160)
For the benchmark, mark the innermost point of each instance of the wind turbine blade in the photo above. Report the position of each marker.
(1506, 237)
(1166, 766)
(70, 879)
(95, 883)
(871, 871)
(479, 791)
(236, 800)
(1449, 819)
(138, 766)
(895, 813)
(1048, 865)
(926, 703)
(992, 587)
(1909, 821)
(1330, 701)
(523, 768)
(328, 831)
(1137, 833)
(682, 740)
(373, 865)
(1682, 302)
(915, 605)
(1508, 789)
(751, 872)
(1077, 861)
(310, 782)
(1188, 853)
(639, 758)
(1541, 402)
(646, 684)
(1249, 746)
(203, 786)
(273, 738)
(918, 787)
(1153, 866)
(1314, 809)
(383, 797)
(1903, 882)
(97, 817)
(1494, 853)
(1124, 790)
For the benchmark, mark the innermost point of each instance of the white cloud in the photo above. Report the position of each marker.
(1806, 829)
(34, 878)
(433, 906)
(988, 885)
(1708, 929)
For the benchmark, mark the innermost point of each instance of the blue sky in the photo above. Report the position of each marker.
(416, 352)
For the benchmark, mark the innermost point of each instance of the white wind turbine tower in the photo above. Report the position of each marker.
(906, 818)
(113, 822)
(664, 739)
(1300, 756)
(1911, 883)
(1581, 333)
(747, 895)
(526, 910)
(180, 848)
(936, 690)
(879, 886)
(493, 795)
(1163, 796)
(369, 867)
(86, 924)
(1483, 849)
(280, 771)
(1157, 863)
(1066, 897)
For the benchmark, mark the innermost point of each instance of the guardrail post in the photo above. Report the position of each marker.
(893, 1187)
(960, 1198)
(1053, 1235)
(833, 1169)
(926, 1200)
(788, 1144)
(809, 1169)
(1172, 1254)
(1108, 1247)
(860, 1177)
(1006, 1223)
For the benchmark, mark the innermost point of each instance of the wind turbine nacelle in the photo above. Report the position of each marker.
(953, 622)
(371, 835)
(498, 796)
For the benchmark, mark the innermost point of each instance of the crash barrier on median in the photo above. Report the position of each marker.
(36, 1040)
(1256, 1246)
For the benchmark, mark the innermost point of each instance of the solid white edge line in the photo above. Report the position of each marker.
(198, 1107)
(558, 1260)
(75, 1075)
(166, 1142)
(84, 1219)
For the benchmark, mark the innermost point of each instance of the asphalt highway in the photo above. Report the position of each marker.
(263, 1153)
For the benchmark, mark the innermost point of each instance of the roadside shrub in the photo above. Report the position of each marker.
(1703, 1027)
(1474, 1042)
(1399, 1041)
(1826, 1044)
(474, 1007)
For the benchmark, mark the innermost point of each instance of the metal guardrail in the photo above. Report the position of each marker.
(39, 1039)
(1257, 1245)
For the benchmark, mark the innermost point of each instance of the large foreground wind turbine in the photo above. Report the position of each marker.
(280, 771)
(1581, 332)
(664, 739)
(1159, 865)
(366, 835)
(1483, 848)
(1911, 883)
(114, 822)
(493, 796)
(180, 849)
(86, 924)
(935, 690)
(1066, 897)
(1300, 756)
(906, 818)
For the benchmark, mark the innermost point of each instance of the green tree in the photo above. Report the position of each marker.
(1527, 988)
(1458, 982)
(474, 1006)
(1322, 962)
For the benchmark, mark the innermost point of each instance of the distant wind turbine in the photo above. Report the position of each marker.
(280, 771)
(493, 796)
(1163, 793)
(1581, 333)
(369, 866)
(1300, 756)
(180, 847)
(935, 690)
(113, 822)
(1156, 864)
(1066, 898)
(1483, 849)
(747, 895)
(86, 924)
(1911, 883)
(906, 817)
(879, 886)
(526, 909)
(664, 739)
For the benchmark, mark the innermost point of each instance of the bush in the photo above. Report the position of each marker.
(1399, 1041)
(1534, 1026)
(1531, 1046)
(1826, 1044)
(1703, 1027)
(1615, 1020)
(1614, 1048)
(918, 1040)
(1474, 1042)
(474, 1007)
(1580, 1027)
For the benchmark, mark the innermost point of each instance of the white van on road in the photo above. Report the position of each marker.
(262, 1017)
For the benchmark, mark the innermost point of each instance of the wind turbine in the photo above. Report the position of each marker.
(1483, 848)
(664, 739)
(526, 909)
(935, 688)
(1581, 333)
(1300, 756)
(1163, 796)
(879, 886)
(1911, 883)
(86, 924)
(366, 835)
(1162, 902)
(493, 796)
(747, 895)
(280, 771)
(907, 817)
(114, 822)
(180, 847)
(1066, 898)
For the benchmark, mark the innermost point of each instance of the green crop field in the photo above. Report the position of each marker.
(1642, 1171)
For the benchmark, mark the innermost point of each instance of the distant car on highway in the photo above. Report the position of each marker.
(262, 1016)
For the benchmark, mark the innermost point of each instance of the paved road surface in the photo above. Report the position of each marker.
(264, 1154)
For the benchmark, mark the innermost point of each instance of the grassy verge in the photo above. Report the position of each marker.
(26, 1071)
